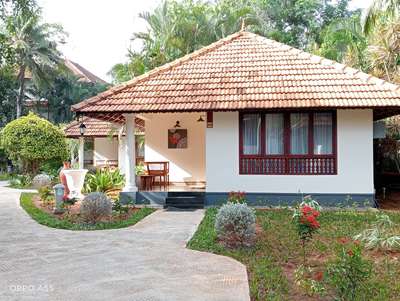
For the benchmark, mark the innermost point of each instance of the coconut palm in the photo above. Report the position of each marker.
(383, 51)
(377, 10)
(34, 45)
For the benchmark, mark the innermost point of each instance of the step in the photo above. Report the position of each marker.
(184, 206)
(186, 194)
(185, 201)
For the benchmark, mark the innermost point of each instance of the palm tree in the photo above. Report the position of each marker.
(377, 10)
(35, 50)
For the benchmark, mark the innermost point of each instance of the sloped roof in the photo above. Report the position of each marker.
(98, 128)
(82, 73)
(244, 72)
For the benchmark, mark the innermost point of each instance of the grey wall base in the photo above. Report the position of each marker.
(290, 199)
(157, 199)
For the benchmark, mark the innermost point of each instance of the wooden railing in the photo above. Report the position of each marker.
(291, 165)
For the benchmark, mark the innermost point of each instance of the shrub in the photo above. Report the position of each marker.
(95, 206)
(32, 140)
(21, 181)
(46, 195)
(349, 274)
(235, 225)
(41, 180)
(237, 197)
(382, 235)
(104, 180)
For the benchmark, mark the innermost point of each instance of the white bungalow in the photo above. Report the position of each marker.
(280, 123)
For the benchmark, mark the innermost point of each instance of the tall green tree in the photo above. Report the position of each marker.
(34, 45)
(176, 28)
(343, 41)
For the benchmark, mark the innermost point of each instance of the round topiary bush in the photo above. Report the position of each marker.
(31, 141)
(235, 225)
(40, 181)
(95, 206)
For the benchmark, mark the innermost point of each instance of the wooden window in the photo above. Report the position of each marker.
(288, 143)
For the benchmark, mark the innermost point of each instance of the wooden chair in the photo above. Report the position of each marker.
(159, 169)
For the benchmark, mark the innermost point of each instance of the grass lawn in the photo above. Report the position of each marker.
(49, 220)
(277, 253)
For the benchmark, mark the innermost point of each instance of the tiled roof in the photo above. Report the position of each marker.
(98, 128)
(245, 71)
(83, 74)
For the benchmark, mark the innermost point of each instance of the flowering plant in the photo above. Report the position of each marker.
(305, 218)
(237, 197)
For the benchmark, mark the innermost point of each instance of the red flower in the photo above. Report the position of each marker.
(318, 276)
(350, 253)
(306, 209)
(343, 240)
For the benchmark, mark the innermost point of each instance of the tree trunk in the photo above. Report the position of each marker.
(21, 91)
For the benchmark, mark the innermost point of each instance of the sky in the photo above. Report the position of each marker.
(100, 31)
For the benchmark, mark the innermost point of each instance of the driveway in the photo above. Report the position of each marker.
(145, 262)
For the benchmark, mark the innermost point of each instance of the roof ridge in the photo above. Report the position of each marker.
(158, 70)
(364, 77)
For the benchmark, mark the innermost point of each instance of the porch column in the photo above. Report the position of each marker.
(130, 155)
(81, 153)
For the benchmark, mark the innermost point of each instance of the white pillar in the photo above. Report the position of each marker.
(81, 153)
(130, 155)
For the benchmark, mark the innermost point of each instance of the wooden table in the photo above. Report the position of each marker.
(146, 182)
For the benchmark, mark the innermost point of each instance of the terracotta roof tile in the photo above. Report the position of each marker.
(245, 71)
(98, 128)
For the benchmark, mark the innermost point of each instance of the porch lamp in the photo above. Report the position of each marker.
(82, 129)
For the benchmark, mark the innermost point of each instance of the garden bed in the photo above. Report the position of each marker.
(71, 220)
(271, 263)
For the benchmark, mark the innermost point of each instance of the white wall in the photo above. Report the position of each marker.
(105, 149)
(185, 164)
(355, 159)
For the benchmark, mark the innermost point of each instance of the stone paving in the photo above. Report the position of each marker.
(145, 262)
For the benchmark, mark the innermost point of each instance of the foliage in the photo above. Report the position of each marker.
(95, 207)
(52, 168)
(21, 181)
(34, 45)
(176, 28)
(235, 225)
(140, 169)
(305, 218)
(119, 207)
(271, 263)
(46, 195)
(33, 140)
(383, 50)
(382, 235)
(49, 220)
(377, 10)
(348, 275)
(390, 149)
(343, 41)
(309, 280)
(41, 180)
(65, 90)
(8, 94)
(237, 197)
(104, 180)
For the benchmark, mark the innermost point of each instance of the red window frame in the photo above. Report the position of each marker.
(288, 164)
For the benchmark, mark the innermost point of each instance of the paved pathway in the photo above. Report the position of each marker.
(146, 262)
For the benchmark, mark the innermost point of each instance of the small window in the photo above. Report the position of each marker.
(251, 134)
(299, 133)
(323, 130)
(274, 127)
